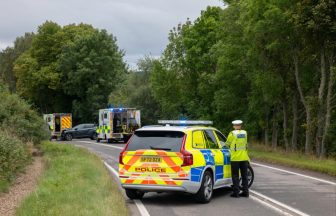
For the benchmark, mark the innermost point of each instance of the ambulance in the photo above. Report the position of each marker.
(117, 124)
(57, 123)
(181, 156)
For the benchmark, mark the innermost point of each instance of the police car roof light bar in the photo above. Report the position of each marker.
(185, 122)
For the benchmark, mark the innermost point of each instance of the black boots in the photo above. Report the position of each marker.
(244, 194)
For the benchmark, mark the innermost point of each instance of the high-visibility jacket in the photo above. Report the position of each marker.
(237, 142)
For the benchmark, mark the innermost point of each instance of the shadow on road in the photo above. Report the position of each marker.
(179, 199)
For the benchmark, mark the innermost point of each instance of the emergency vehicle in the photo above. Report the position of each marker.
(57, 123)
(185, 156)
(117, 124)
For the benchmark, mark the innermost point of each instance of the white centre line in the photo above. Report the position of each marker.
(294, 173)
(277, 203)
(110, 146)
(141, 207)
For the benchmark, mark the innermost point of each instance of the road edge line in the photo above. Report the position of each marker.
(141, 207)
(294, 173)
(116, 147)
(277, 204)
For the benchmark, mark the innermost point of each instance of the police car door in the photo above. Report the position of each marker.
(226, 153)
(217, 155)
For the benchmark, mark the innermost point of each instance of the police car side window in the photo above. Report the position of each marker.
(198, 141)
(211, 140)
(221, 137)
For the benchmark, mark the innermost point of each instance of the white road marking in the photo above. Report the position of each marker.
(110, 146)
(296, 211)
(262, 202)
(141, 207)
(255, 195)
(294, 173)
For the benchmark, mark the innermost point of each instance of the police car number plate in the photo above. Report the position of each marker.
(151, 159)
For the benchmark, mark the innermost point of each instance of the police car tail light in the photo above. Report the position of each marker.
(122, 152)
(188, 159)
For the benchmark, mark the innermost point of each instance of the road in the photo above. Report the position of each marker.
(274, 192)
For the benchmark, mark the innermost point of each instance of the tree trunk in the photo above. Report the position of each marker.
(305, 105)
(295, 122)
(285, 123)
(266, 130)
(321, 105)
(328, 104)
(275, 130)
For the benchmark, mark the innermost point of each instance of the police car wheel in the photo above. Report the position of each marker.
(134, 194)
(250, 177)
(68, 137)
(204, 194)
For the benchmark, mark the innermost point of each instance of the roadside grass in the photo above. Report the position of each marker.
(75, 182)
(4, 185)
(292, 159)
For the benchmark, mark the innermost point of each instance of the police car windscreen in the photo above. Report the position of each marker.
(156, 140)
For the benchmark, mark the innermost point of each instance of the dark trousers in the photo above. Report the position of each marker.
(235, 167)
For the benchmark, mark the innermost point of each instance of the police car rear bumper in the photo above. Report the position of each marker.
(187, 186)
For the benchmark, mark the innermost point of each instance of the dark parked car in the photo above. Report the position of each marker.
(80, 131)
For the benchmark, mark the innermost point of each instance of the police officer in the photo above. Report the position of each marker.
(237, 142)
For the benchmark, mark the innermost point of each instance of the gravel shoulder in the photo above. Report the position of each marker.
(22, 187)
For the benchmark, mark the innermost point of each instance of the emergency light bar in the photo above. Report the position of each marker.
(185, 122)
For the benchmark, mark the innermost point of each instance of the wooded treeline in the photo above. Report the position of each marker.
(269, 63)
(64, 69)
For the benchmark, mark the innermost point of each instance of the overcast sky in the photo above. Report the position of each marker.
(141, 26)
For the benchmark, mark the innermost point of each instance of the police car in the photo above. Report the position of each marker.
(184, 156)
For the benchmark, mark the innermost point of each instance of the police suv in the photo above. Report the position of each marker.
(185, 156)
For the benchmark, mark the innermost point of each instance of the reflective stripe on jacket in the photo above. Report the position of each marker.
(237, 142)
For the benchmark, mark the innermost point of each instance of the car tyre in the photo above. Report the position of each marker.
(134, 194)
(205, 192)
(68, 137)
(250, 177)
(94, 136)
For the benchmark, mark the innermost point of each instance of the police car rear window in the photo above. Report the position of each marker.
(156, 140)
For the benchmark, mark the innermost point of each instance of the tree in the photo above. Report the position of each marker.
(9, 55)
(92, 66)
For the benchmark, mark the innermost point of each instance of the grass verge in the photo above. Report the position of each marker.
(292, 159)
(74, 183)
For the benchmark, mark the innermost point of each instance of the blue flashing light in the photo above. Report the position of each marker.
(120, 109)
(183, 121)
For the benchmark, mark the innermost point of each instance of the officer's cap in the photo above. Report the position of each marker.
(237, 122)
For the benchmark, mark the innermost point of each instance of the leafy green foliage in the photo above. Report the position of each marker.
(76, 65)
(18, 118)
(136, 92)
(13, 158)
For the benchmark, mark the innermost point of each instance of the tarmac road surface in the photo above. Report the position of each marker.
(275, 191)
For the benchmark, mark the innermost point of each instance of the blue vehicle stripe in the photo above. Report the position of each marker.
(196, 173)
(219, 172)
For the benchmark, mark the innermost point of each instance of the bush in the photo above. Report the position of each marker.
(17, 117)
(14, 156)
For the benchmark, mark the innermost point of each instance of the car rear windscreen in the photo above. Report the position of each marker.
(156, 140)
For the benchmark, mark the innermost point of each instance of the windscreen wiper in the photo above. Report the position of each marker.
(158, 148)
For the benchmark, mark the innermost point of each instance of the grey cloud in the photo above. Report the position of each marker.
(141, 26)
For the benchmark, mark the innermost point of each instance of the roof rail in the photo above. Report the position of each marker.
(185, 122)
